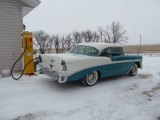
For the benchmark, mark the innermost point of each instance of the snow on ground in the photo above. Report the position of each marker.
(118, 98)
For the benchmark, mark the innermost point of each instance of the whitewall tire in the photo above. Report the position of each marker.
(90, 79)
(134, 70)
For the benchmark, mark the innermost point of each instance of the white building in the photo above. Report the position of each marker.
(11, 26)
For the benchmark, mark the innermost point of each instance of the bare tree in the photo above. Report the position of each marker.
(84, 36)
(87, 35)
(111, 34)
(41, 40)
(68, 42)
(77, 37)
(57, 44)
(108, 35)
(101, 33)
(63, 44)
(116, 34)
(96, 36)
(50, 43)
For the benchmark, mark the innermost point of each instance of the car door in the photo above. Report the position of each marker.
(117, 66)
(117, 60)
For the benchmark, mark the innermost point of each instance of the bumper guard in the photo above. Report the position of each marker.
(60, 77)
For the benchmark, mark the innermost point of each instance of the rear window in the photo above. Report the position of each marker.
(85, 50)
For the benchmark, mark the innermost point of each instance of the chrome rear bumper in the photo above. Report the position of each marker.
(59, 77)
(53, 74)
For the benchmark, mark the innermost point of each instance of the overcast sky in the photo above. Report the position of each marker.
(65, 16)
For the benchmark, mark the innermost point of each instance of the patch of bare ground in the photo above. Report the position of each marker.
(147, 93)
(156, 88)
(158, 118)
(145, 76)
(26, 117)
(133, 87)
(152, 91)
(29, 116)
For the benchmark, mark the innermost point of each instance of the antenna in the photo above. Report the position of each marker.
(140, 43)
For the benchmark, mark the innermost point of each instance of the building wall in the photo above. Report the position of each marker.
(10, 33)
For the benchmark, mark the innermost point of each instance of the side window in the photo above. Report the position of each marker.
(106, 52)
(116, 51)
(88, 49)
(111, 52)
(91, 51)
(81, 49)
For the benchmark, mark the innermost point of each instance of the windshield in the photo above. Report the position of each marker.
(84, 50)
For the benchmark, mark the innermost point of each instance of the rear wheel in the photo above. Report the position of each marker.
(134, 70)
(90, 79)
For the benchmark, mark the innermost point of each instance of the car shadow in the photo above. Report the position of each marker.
(78, 84)
(114, 78)
(62, 86)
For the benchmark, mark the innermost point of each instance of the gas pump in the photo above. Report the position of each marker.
(28, 54)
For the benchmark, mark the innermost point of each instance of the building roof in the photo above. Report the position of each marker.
(100, 46)
(28, 5)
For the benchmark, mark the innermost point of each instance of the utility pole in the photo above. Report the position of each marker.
(140, 43)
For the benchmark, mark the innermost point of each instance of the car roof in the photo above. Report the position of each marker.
(100, 46)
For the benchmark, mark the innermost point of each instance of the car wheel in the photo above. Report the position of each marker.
(134, 70)
(90, 79)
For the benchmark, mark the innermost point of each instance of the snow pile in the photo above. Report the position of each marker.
(118, 98)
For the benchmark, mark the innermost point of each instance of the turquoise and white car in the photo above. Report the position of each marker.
(89, 62)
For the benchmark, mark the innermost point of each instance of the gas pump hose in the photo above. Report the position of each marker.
(24, 66)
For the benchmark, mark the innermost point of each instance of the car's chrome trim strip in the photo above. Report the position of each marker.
(125, 61)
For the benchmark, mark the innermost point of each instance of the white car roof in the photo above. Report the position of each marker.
(100, 46)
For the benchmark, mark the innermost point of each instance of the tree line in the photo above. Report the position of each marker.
(62, 43)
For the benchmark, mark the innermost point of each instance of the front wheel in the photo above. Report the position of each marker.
(134, 70)
(90, 79)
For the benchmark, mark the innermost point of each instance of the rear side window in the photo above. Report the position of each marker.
(112, 51)
(116, 51)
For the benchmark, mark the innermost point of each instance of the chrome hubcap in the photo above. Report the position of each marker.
(92, 78)
(134, 70)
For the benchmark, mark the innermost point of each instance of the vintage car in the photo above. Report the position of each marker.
(89, 62)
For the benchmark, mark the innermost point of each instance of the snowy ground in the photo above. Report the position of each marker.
(118, 98)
